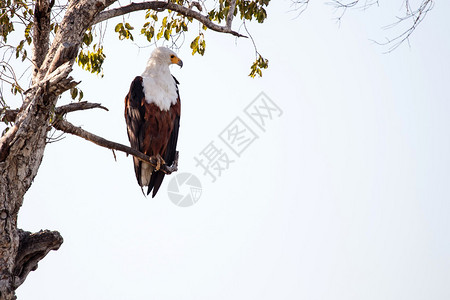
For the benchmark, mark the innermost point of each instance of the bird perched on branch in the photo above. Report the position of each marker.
(152, 114)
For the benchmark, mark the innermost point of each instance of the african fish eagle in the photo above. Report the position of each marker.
(152, 114)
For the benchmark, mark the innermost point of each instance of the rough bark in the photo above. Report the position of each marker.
(32, 248)
(41, 33)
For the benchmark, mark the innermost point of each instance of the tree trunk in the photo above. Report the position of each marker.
(22, 147)
(17, 171)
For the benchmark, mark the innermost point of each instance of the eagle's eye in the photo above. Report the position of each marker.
(172, 56)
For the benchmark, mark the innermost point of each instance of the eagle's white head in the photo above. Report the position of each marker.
(159, 85)
(166, 56)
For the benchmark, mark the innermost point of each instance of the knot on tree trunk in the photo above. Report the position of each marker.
(32, 248)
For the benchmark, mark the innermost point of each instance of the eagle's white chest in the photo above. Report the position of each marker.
(160, 89)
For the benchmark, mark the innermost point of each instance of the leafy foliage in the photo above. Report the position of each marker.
(10, 12)
(91, 60)
(124, 30)
(169, 26)
(246, 9)
(74, 92)
(260, 63)
(173, 24)
(198, 45)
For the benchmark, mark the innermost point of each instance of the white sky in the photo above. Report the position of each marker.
(345, 196)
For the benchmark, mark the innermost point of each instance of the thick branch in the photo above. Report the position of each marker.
(41, 32)
(56, 82)
(67, 127)
(105, 15)
(32, 248)
(231, 13)
(158, 6)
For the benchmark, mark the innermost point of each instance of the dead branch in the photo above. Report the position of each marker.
(159, 6)
(10, 115)
(84, 105)
(32, 248)
(299, 6)
(414, 15)
(68, 127)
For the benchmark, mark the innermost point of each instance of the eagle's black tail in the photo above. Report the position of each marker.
(155, 182)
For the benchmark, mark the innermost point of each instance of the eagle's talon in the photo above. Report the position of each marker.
(159, 162)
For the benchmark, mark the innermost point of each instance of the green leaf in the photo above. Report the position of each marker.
(257, 66)
(118, 27)
(194, 45)
(73, 93)
(160, 33)
(128, 26)
(167, 34)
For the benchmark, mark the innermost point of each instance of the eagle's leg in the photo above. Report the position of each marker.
(159, 162)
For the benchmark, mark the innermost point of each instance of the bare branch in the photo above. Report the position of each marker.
(105, 15)
(159, 6)
(415, 15)
(33, 247)
(62, 110)
(9, 115)
(68, 127)
(299, 6)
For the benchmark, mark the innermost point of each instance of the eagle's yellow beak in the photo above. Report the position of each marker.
(176, 60)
